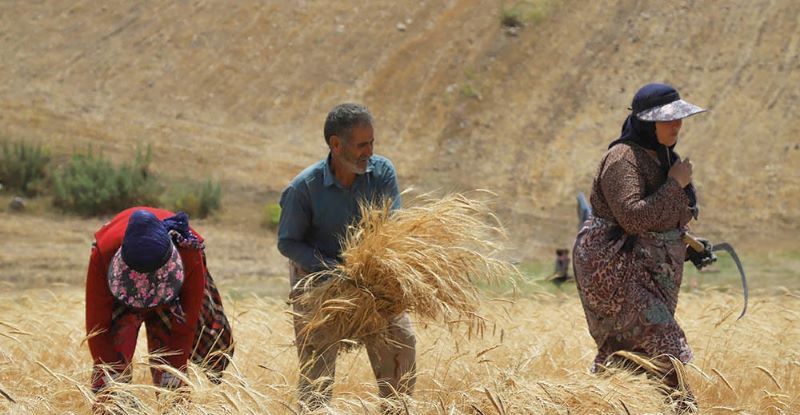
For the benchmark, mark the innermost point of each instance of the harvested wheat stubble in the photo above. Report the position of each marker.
(427, 259)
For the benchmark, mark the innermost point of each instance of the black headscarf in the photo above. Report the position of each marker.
(643, 133)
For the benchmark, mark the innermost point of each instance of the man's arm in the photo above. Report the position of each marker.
(294, 223)
(389, 185)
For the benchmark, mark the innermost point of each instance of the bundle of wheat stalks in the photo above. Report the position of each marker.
(425, 259)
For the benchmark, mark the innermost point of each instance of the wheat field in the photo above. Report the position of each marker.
(532, 357)
(238, 91)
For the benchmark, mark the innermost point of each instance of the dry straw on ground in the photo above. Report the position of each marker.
(427, 259)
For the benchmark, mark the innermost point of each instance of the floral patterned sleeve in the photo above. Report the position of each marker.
(623, 184)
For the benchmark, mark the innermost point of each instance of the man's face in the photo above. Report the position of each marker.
(354, 153)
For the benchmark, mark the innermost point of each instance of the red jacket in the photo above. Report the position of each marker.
(99, 301)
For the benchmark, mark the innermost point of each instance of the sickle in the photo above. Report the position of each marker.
(724, 246)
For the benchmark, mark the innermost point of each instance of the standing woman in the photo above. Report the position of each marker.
(629, 256)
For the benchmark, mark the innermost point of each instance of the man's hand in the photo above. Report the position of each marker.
(324, 278)
(316, 280)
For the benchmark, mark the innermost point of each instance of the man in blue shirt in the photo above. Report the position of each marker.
(316, 209)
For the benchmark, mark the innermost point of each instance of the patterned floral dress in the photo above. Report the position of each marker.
(629, 256)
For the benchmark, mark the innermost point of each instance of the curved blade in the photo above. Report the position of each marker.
(724, 246)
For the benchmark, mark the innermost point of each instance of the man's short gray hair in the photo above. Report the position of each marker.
(343, 118)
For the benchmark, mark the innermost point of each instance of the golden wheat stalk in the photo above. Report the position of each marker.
(724, 379)
(427, 259)
(771, 376)
(7, 396)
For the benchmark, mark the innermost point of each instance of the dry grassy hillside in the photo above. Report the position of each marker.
(242, 88)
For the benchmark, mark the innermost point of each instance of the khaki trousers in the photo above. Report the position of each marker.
(393, 358)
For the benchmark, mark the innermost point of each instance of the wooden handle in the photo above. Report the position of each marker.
(693, 242)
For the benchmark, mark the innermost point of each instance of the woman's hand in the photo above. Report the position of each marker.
(681, 172)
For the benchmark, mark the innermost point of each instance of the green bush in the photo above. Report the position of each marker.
(90, 185)
(24, 167)
(523, 12)
(199, 201)
(272, 216)
(511, 17)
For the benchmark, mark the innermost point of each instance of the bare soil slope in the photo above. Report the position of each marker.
(239, 91)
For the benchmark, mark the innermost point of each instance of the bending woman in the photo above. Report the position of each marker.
(629, 256)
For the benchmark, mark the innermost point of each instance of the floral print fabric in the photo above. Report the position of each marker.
(145, 290)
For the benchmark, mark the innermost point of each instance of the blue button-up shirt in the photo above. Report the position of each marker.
(316, 210)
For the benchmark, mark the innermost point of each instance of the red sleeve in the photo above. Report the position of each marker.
(99, 302)
(183, 335)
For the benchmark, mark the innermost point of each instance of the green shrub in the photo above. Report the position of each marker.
(90, 185)
(272, 216)
(24, 167)
(199, 201)
(511, 17)
(523, 12)
(468, 91)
